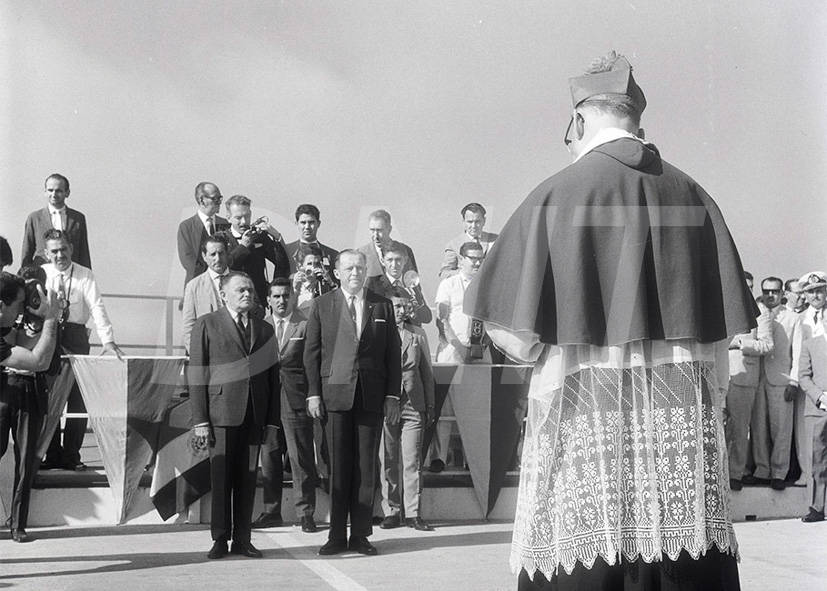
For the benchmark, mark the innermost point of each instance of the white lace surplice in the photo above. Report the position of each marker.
(624, 454)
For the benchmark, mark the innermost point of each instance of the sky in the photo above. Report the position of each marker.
(419, 108)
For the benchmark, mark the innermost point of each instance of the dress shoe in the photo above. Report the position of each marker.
(813, 516)
(362, 546)
(308, 525)
(245, 549)
(333, 547)
(390, 522)
(437, 466)
(50, 465)
(778, 484)
(218, 550)
(751, 480)
(74, 466)
(735, 484)
(20, 535)
(268, 520)
(418, 524)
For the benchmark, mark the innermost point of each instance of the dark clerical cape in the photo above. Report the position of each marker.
(618, 247)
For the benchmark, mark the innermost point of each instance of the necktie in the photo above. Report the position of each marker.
(210, 226)
(280, 332)
(815, 317)
(244, 330)
(62, 297)
(352, 307)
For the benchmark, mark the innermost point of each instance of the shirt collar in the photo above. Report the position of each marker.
(360, 295)
(214, 276)
(53, 210)
(203, 216)
(604, 136)
(391, 280)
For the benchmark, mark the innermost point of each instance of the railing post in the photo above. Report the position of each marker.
(169, 312)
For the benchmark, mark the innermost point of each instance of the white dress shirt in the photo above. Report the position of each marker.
(58, 217)
(85, 299)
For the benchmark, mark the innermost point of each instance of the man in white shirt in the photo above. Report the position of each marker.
(59, 217)
(80, 301)
(473, 218)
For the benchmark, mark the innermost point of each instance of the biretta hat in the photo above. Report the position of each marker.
(618, 80)
(812, 280)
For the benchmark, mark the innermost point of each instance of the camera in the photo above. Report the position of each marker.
(33, 301)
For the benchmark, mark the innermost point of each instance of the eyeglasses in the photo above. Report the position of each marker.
(566, 139)
(213, 200)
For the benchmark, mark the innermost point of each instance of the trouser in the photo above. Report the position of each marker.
(402, 445)
(353, 436)
(74, 339)
(20, 416)
(803, 441)
(740, 401)
(818, 433)
(771, 430)
(440, 444)
(297, 428)
(233, 464)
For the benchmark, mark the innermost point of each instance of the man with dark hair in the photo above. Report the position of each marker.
(308, 219)
(251, 246)
(290, 326)
(201, 295)
(233, 378)
(379, 225)
(618, 280)
(353, 362)
(193, 231)
(771, 426)
(311, 278)
(55, 215)
(394, 261)
(24, 354)
(473, 217)
(81, 301)
(6, 255)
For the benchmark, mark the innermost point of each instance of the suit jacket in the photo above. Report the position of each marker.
(291, 360)
(375, 265)
(335, 359)
(191, 237)
(417, 375)
(223, 376)
(381, 285)
(39, 222)
(450, 258)
(253, 261)
(328, 258)
(781, 364)
(812, 376)
(200, 297)
(745, 363)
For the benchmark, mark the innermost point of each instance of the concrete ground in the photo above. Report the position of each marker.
(776, 555)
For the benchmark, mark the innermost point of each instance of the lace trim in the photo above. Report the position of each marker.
(623, 462)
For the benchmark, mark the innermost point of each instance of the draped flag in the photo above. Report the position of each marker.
(126, 402)
(489, 404)
(182, 472)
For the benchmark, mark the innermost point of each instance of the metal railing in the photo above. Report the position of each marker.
(169, 317)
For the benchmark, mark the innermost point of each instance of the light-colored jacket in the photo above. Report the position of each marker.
(745, 361)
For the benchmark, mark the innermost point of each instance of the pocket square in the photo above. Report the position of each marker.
(296, 338)
(379, 320)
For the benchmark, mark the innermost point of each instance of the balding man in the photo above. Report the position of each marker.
(473, 218)
(193, 232)
(379, 225)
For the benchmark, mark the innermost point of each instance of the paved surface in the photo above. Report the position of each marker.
(776, 555)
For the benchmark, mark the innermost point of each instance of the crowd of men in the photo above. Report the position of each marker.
(316, 363)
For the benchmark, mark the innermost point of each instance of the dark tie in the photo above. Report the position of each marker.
(280, 331)
(63, 297)
(815, 317)
(244, 330)
(210, 226)
(352, 307)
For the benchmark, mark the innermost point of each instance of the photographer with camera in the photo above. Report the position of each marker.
(395, 261)
(80, 300)
(252, 244)
(23, 353)
(311, 279)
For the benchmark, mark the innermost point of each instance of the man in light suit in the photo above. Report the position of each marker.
(813, 380)
(193, 232)
(771, 427)
(308, 220)
(352, 358)
(394, 260)
(402, 442)
(55, 215)
(290, 326)
(473, 217)
(745, 352)
(201, 295)
(234, 380)
(379, 224)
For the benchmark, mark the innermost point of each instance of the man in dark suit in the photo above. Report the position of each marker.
(55, 215)
(233, 379)
(290, 326)
(193, 232)
(394, 261)
(252, 246)
(379, 224)
(352, 357)
(308, 220)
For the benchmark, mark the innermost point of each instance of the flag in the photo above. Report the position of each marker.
(182, 472)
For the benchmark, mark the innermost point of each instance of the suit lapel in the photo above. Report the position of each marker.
(232, 327)
(289, 331)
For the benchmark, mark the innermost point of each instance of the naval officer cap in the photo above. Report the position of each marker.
(615, 79)
(812, 280)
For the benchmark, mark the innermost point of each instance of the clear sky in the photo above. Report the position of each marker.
(417, 107)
